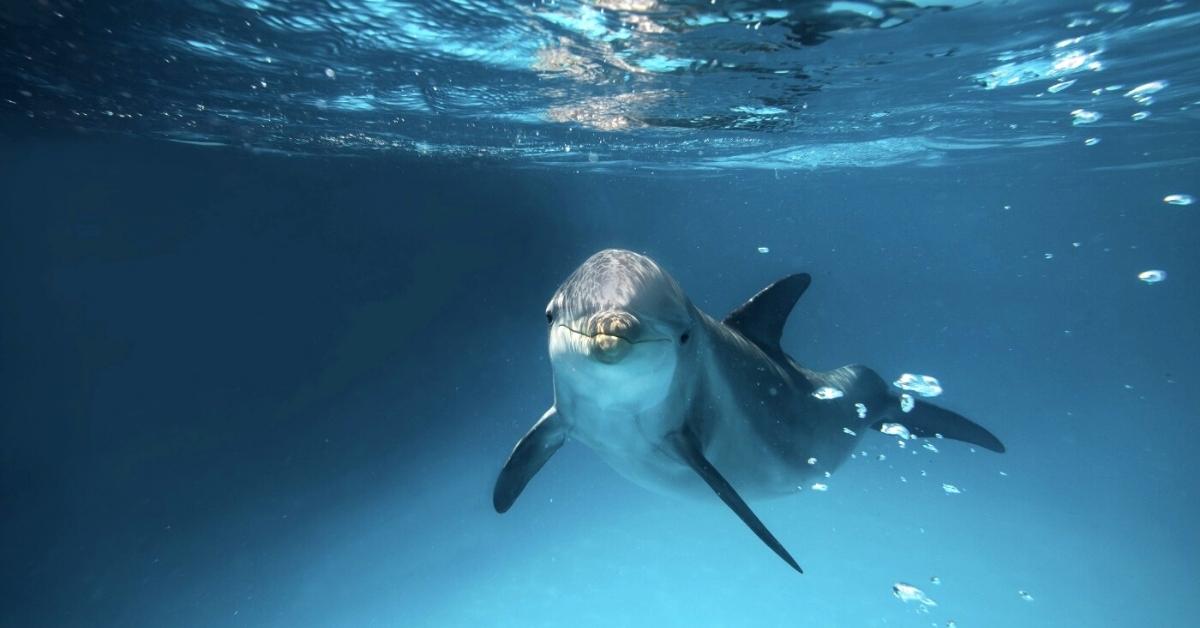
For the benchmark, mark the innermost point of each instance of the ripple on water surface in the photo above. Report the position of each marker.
(675, 85)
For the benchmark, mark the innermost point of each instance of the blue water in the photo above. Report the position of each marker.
(263, 359)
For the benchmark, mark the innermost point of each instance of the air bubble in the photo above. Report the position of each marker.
(895, 429)
(908, 593)
(1083, 116)
(1152, 276)
(923, 385)
(825, 393)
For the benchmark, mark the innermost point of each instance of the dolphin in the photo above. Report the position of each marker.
(684, 404)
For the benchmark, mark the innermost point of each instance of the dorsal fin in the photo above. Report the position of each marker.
(761, 318)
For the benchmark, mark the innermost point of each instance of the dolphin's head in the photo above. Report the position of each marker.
(619, 326)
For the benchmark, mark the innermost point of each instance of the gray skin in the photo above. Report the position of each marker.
(684, 404)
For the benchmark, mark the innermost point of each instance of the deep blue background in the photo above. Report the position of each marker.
(254, 390)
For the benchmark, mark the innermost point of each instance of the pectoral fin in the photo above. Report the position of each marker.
(531, 452)
(688, 446)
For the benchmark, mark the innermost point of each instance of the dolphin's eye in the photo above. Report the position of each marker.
(684, 338)
(549, 317)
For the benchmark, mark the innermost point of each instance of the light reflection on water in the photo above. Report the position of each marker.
(598, 83)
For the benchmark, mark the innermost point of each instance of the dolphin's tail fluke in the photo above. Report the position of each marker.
(922, 419)
(925, 420)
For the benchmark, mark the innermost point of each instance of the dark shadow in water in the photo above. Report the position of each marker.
(179, 324)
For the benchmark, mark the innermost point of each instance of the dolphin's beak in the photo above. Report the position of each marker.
(610, 349)
(613, 335)
(607, 337)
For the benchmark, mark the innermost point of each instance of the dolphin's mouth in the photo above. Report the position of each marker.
(606, 347)
(603, 337)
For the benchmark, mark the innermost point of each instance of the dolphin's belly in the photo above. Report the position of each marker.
(769, 452)
(758, 468)
(762, 468)
(622, 441)
(755, 472)
(655, 470)
(776, 449)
